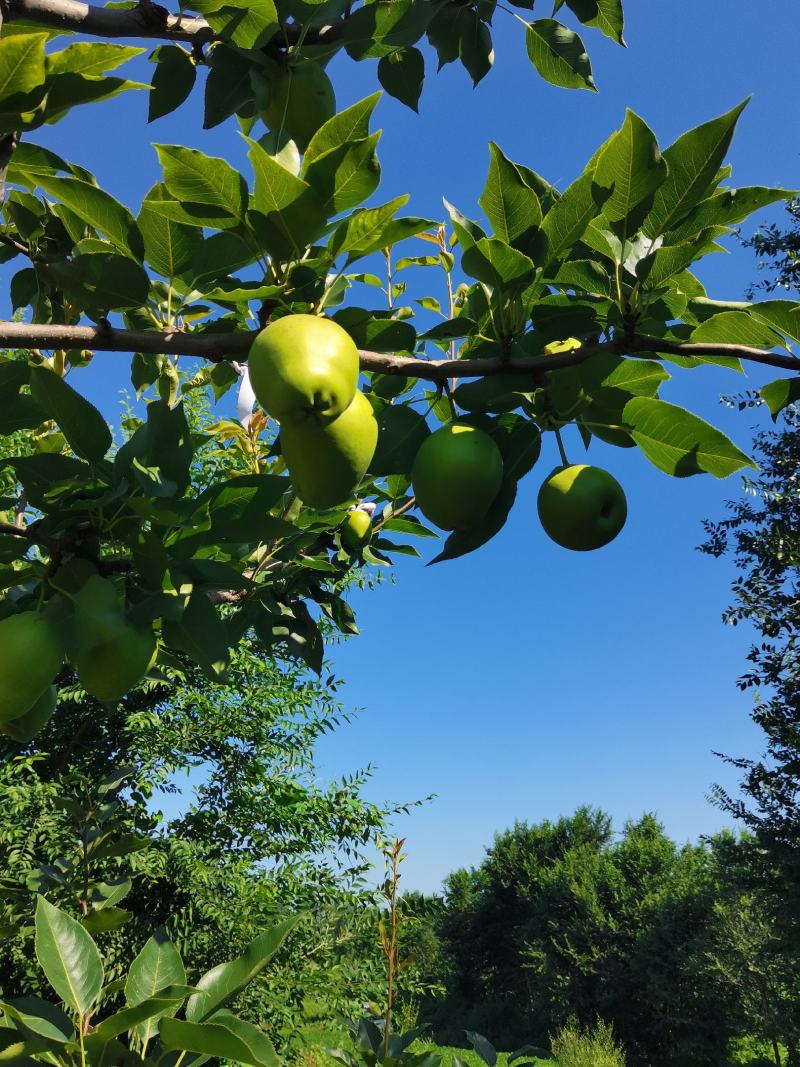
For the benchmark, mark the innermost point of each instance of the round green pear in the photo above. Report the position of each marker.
(581, 507)
(326, 463)
(27, 726)
(108, 669)
(356, 530)
(301, 99)
(304, 369)
(457, 474)
(30, 657)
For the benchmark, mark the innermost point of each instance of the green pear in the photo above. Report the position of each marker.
(300, 100)
(457, 475)
(582, 507)
(109, 668)
(356, 530)
(304, 369)
(326, 463)
(30, 657)
(27, 726)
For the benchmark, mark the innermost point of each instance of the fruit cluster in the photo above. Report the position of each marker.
(110, 655)
(304, 371)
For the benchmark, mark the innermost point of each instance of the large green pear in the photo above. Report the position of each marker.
(582, 507)
(108, 669)
(30, 656)
(303, 369)
(301, 99)
(27, 726)
(326, 463)
(457, 475)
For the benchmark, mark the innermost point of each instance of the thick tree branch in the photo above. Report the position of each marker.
(233, 346)
(144, 20)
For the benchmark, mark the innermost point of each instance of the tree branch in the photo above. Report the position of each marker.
(218, 348)
(144, 20)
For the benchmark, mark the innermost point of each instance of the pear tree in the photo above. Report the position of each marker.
(355, 427)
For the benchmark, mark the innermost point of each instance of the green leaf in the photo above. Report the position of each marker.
(383, 26)
(173, 80)
(99, 921)
(559, 55)
(402, 73)
(566, 221)
(345, 176)
(102, 281)
(81, 423)
(492, 261)
(246, 23)
(588, 276)
(202, 635)
(227, 86)
(779, 394)
(221, 984)
(678, 442)
(98, 209)
(692, 162)
(288, 214)
(352, 124)
(401, 431)
(474, 45)
(726, 208)
(736, 328)
(68, 956)
(22, 68)
(254, 1037)
(143, 1017)
(606, 15)
(467, 231)
(365, 231)
(212, 1039)
(41, 1017)
(511, 206)
(169, 246)
(199, 179)
(90, 58)
(157, 966)
(629, 170)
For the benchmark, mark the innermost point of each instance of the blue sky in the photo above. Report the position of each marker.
(524, 680)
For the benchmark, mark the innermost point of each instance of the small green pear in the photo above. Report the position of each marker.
(301, 99)
(108, 669)
(30, 657)
(27, 726)
(457, 475)
(356, 530)
(304, 369)
(326, 463)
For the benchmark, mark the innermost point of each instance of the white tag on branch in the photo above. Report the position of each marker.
(246, 398)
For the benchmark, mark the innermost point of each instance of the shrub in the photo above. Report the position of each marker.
(575, 1047)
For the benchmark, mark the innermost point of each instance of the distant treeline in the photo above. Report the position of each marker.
(682, 948)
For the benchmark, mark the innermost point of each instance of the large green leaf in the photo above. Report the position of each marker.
(726, 208)
(629, 170)
(168, 245)
(102, 281)
(191, 176)
(692, 161)
(221, 984)
(287, 213)
(606, 15)
(511, 206)
(98, 209)
(228, 85)
(21, 66)
(352, 124)
(173, 80)
(90, 58)
(364, 231)
(68, 956)
(81, 423)
(736, 328)
(559, 55)
(157, 966)
(218, 1040)
(383, 26)
(492, 261)
(566, 221)
(246, 23)
(402, 73)
(346, 176)
(779, 394)
(143, 1017)
(680, 443)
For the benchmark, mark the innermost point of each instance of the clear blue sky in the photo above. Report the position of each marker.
(524, 680)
